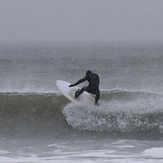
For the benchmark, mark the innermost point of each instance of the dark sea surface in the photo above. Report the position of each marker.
(38, 124)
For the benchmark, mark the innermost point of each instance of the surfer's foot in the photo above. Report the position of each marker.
(96, 104)
(77, 93)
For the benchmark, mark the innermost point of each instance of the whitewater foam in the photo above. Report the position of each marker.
(121, 116)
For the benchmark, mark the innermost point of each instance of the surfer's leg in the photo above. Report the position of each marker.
(80, 91)
(97, 97)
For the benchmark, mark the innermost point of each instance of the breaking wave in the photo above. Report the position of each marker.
(47, 114)
(119, 112)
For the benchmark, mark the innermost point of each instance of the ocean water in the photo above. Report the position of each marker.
(39, 125)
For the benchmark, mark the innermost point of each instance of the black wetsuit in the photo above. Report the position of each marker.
(93, 86)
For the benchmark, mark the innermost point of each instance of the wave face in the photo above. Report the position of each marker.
(31, 115)
(52, 115)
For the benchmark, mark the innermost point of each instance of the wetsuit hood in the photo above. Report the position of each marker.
(88, 73)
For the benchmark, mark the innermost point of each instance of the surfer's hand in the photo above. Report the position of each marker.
(71, 85)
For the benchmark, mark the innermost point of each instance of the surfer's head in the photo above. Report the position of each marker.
(88, 73)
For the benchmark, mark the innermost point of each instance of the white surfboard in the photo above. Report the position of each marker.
(84, 99)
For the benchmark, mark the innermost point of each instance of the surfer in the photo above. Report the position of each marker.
(93, 86)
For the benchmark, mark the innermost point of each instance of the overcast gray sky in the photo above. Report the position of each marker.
(81, 20)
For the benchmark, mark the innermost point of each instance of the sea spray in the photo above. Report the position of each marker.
(120, 116)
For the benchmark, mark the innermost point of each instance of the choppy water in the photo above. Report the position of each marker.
(38, 124)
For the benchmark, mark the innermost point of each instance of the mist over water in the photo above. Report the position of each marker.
(34, 68)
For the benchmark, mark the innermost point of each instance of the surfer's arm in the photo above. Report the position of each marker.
(78, 82)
